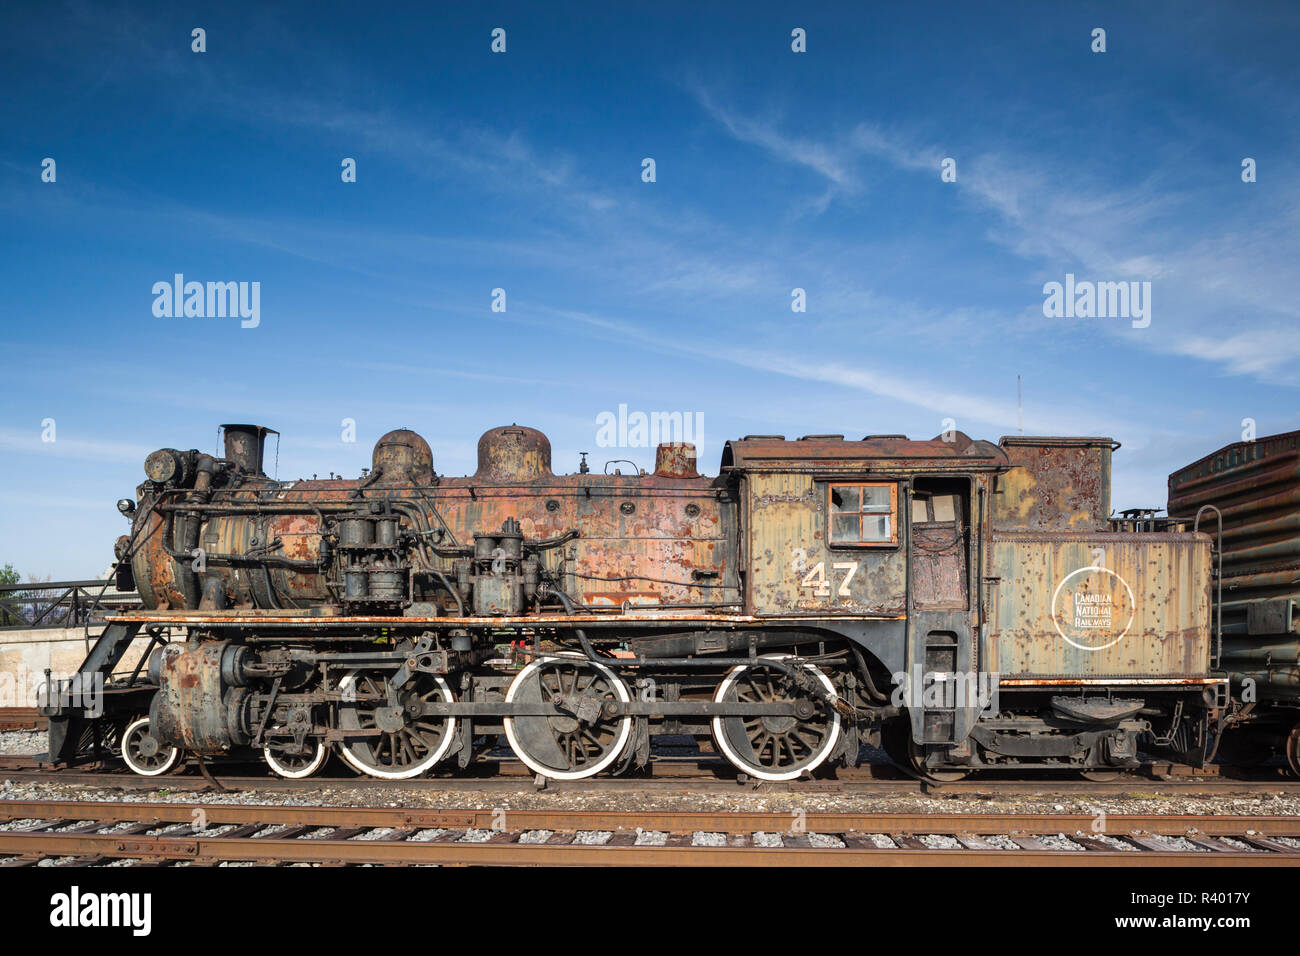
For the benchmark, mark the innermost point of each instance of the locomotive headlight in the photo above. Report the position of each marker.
(126, 506)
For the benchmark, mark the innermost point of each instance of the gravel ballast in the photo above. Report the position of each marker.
(1265, 803)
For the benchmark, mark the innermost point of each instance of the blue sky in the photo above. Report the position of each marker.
(522, 171)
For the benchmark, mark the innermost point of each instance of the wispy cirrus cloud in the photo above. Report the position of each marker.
(505, 160)
(1231, 300)
(827, 160)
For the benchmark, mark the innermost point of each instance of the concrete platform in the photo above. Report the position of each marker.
(25, 654)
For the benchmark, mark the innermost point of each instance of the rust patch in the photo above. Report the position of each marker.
(1055, 484)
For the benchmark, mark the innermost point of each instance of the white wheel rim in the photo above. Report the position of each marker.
(281, 770)
(173, 757)
(415, 769)
(762, 773)
(625, 728)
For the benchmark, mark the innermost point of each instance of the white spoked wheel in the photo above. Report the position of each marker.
(409, 741)
(143, 753)
(585, 739)
(778, 746)
(295, 766)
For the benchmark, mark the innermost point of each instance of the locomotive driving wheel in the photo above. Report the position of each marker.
(1293, 750)
(142, 752)
(404, 741)
(286, 762)
(585, 737)
(779, 746)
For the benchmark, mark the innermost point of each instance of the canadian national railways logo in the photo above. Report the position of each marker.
(1093, 608)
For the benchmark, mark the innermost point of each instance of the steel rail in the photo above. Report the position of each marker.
(670, 821)
(270, 850)
(503, 847)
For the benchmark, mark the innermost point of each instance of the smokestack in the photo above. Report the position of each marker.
(245, 446)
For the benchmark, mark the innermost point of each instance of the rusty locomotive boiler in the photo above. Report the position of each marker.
(968, 605)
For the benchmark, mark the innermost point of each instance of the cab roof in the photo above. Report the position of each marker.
(951, 451)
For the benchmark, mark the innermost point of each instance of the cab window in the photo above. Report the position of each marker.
(928, 508)
(863, 514)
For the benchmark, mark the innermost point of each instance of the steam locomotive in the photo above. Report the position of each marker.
(966, 605)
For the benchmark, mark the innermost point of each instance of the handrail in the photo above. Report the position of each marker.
(46, 604)
(1218, 574)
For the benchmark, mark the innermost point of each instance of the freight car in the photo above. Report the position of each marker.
(1249, 494)
(965, 603)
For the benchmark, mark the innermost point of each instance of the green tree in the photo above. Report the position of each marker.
(8, 576)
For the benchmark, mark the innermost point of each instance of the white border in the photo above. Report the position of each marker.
(1132, 604)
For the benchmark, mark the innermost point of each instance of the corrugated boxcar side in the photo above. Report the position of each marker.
(1051, 594)
(1256, 486)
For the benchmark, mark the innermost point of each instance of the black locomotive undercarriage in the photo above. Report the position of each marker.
(396, 702)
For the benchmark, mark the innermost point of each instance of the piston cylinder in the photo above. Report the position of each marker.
(199, 706)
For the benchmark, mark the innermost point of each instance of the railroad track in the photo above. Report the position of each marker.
(509, 776)
(90, 833)
(21, 718)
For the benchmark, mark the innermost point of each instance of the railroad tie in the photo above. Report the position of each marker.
(47, 825)
(1264, 843)
(1147, 842)
(1094, 845)
(87, 827)
(347, 833)
(1031, 843)
(292, 833)
(856, 840)
(906, 841)
(1212, 843)
(240, 832)
(133, 830)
